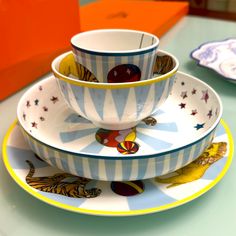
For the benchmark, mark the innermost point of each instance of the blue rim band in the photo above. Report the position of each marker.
(113, 53)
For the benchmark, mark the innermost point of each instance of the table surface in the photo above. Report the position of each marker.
(212, 213)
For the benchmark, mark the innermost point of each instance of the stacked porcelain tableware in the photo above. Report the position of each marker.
(116, 109)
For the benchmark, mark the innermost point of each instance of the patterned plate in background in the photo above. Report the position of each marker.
(219, 56)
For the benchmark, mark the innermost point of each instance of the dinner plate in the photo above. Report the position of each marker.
(219, 56)
(105, 198)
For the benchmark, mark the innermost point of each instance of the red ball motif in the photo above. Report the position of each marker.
(124, 73)
(111, 138)
(127, 188)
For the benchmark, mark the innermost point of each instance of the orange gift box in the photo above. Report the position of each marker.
(155, 17)
(33, 32)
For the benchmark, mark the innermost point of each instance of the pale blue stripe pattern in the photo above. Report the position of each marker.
(142, 167)
(207, 141)
(27, 139)
(171, 82)
(141, 62)
(149, 70)
(173, 161)
(83, 59)
(50, 155)
(80, 57)
(159, 166)
(93, 64)
(138, 60)
(159, 88)
(93, 165)
(79, 166)
(93, 147)
(22, 154)
(215, 169)
(186, 155)
(117, 61)
(168, 127)
(69, 136)
(63, 85)
(110, 169)
(50, 159)
(120, 100)
(126, 169)
(98, 98)
(105, 69)
(38, 149)
(220, 130)
(123, 98)
(78, 93)
(198, 149)
(153, 142)
(75, 202)
(75, 118)
(141, 94)
(168, 84)
(131, 61)
(64, 161)
(154, 195)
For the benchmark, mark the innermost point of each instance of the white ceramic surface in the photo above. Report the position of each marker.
(110, 199)
(99, 51)
(219, 56)
(115, 106)
(185, 126)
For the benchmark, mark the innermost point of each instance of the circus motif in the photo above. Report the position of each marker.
(124, 73)
(123, 140)
(197, 168)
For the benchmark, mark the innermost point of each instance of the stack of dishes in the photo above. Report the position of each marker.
(122, 132)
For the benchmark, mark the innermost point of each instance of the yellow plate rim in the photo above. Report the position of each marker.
(113, 213)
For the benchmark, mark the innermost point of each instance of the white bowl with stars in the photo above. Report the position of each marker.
(172, 138)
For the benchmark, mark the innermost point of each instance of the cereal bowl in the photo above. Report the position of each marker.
(114, 106)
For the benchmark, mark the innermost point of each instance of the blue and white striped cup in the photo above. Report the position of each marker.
(114, 55)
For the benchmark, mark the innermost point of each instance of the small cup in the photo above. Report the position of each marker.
(114, 55)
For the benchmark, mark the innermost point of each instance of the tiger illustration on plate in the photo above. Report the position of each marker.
(57, 184)
(196, 169)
